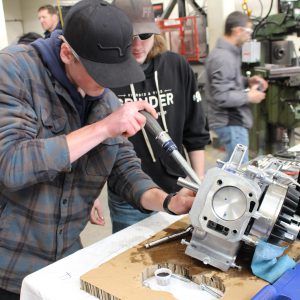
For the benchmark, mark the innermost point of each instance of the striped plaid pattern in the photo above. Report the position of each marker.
(44, 200)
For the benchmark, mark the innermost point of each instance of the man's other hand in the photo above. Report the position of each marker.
(96, 214)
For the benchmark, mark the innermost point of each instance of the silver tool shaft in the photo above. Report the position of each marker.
(170, 237)
(188, 184)
(209, 290)
(169, 146)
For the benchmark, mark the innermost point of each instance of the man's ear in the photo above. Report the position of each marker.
(66, 54)
(235, 30)
(55, 18)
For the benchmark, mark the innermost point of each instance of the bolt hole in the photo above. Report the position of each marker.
(219, 182)
(204, 218)
(252, 205)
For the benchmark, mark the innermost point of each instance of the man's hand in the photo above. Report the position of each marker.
(262, 84)
(254, 95)
(127, 120)
(96, 214)
(182, 202)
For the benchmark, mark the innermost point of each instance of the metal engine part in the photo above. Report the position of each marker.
(235, 203)
(242, 203)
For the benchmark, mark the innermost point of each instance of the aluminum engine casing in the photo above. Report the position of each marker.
(226, 202)
(236, 204)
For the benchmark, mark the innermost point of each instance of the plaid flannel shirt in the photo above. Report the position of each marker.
(44, 199)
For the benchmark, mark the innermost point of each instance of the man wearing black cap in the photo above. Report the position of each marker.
(62, 134)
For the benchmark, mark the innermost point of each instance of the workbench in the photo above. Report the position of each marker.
(60, 280)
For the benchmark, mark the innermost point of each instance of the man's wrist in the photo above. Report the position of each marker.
(166, 203)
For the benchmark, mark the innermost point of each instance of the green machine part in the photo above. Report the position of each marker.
(283, 105)
(279, 110)
(277, 26)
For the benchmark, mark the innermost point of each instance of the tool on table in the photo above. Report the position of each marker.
(211, 291)
(171, 237)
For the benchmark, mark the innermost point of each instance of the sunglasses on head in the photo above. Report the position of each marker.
(144, 36)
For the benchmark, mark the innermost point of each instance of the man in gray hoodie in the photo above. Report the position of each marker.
(229, 113)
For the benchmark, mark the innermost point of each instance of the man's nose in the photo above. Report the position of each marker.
(136, 40)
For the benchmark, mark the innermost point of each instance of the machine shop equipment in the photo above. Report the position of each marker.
(236, 204)
(278, 114)
(277, 26)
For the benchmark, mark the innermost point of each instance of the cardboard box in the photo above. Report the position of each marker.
(122, 276)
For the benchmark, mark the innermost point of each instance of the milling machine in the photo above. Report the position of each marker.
(277, 116)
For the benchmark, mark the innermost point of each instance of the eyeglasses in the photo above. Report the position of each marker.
(143, 36)
(73, 51)
(248, 30)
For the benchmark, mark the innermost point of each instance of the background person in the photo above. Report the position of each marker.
(48, 17)
(62, 134)
(229, 113)
(171, 88)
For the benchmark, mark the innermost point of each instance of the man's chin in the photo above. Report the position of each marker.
(95, 93)
(140, 59)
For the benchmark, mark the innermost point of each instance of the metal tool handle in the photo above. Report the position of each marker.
(188, 184)
(170, 238)
(169, 146)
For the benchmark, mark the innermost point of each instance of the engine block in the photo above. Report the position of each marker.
(238, 204)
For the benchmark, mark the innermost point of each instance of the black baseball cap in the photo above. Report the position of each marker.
(101, 35)
(141, 15)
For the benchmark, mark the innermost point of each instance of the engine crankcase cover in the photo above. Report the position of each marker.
(224, 204)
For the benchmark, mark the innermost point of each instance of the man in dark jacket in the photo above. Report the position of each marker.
(229, 114)
(48, 17)
(62, 134)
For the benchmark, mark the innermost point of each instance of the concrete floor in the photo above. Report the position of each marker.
(93, 233)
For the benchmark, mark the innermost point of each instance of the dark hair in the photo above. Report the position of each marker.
(51, 9)
(235, 19)
(28, 38)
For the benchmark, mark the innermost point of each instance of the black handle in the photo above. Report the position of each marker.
(151, 124)
(165, 141)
